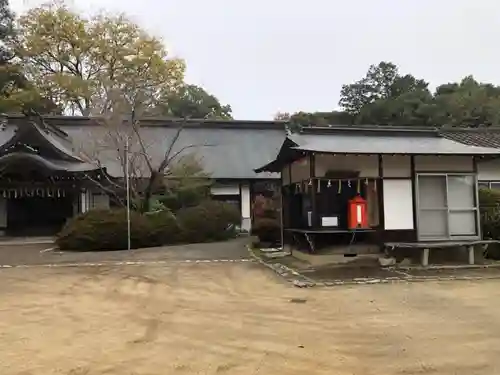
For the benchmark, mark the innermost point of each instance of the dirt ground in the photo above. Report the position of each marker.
(238, 318)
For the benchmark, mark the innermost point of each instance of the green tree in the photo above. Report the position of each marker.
(384, 96)
(299, 120)
(16, 92)
(377, 84)
(194, 102)
(77, 61)
(468, 103)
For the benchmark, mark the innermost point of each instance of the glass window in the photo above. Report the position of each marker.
(461, 192)
(432, 224)
(432, 191)
(463, 223)
(447, 206)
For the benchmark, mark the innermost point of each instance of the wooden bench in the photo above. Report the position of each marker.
(427, 246)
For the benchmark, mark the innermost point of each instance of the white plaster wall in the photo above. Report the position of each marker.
(444, 163)
(84, 202)
(300, 170)
(396, 166)
(246, 207)
(398, 204)
(367, 165)
(225, 190)
(488, 170)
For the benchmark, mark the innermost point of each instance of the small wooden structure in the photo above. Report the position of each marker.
(418, 186)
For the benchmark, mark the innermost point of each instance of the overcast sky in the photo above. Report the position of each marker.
(265, 56)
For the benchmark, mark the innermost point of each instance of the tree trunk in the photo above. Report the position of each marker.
(148, 192)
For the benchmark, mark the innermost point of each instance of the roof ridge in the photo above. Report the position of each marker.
(166, 122)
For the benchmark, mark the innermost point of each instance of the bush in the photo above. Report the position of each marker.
(105, 230)
(164, 227)
(489, 205)
(184, 197)
(208, 221)
(267, 229)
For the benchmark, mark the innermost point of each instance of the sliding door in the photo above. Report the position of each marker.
(447, 206)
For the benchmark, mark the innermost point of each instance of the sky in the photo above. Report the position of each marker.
(265, 56)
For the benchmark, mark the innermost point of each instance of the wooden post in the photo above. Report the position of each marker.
(425, 257)
(414, 196)
(470, 249)
(313, 189)
(282, 211)
(380, 199)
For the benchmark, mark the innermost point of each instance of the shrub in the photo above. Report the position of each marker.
(208, 221)
(188, 196)
(164, 228)
(105, 230)
(267, 229)
(489, 205)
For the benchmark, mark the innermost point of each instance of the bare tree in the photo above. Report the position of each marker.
(118, 141)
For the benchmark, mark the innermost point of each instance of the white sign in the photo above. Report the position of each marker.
(330, 221)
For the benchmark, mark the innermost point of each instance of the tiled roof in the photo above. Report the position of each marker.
(226, 149)
(481, 137)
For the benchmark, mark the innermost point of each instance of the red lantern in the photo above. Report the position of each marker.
(357, 213)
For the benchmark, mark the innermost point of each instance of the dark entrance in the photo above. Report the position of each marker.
(38, 216)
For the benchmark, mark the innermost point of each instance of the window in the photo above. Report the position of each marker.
(447, 206)
(489, 184)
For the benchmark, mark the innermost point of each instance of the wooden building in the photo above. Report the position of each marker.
(418, 185)
(48, 168)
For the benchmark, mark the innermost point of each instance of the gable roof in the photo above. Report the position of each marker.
(41, 144)
(226, 149)
(374, 141)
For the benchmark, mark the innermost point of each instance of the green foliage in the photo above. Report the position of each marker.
(208, 221)
(105, 230)
(187, 186)
(81, 61)
(183, 198)
(194, 102)
(489, 205)
(468, 103)
(386, 97)
(267, 229)
(17, 94)
(164, 228)
(99, 230)
(305, 119)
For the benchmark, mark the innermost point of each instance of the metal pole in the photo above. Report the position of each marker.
(128, 192)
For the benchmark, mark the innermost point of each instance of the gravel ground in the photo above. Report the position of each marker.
(239, 318)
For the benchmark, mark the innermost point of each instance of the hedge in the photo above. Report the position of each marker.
(268, 230)
(107, 229)
(209, 221)
(489, 205)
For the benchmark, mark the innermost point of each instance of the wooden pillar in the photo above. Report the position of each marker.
(380, 201)
(414, 196)
(425, 257)
(380, 194)
(282, 211)
(313, 189)
(477, 219)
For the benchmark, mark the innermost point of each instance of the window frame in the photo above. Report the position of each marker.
(447, 209)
